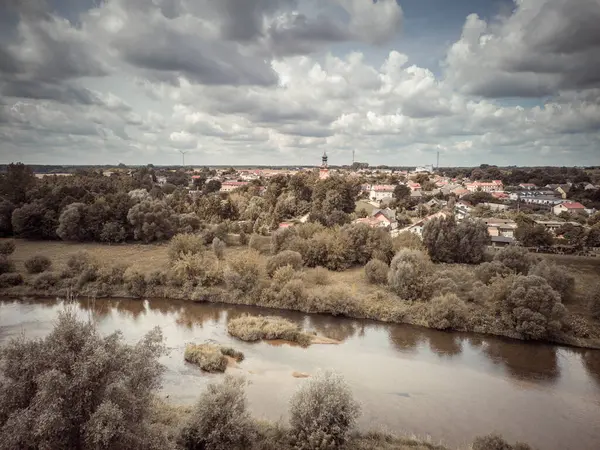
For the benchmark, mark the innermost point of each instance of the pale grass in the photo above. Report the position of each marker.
(211, 357)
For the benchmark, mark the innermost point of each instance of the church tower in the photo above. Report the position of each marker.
(324, 171)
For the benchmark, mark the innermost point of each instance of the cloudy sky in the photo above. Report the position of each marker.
(279, 81)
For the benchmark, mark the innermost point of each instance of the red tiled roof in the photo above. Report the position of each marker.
(572, 205)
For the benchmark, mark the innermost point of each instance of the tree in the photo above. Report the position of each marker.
(376, 272)
(75, 389)
(6, 210)
(557, 277)
(401, 192)
(151, 221)
(34, 221)
(575, 235)
(220, 420)
(533, 236)
(517, 259)
(532, 307)
(71, 223)
(449, 242)
(212, 186)
(593, 237)
(323, 413)
(409, 273)
(15, 183)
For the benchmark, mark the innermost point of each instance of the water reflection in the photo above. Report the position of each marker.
(405, 338)
(445, 344)
(524, 362)
(338, 329)
(591, 361)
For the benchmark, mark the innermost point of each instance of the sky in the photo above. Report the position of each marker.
(278, 82)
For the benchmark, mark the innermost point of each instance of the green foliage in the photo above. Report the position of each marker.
(401, 192)
(210, 357)
(76, 389)
(15, 183)
(10, 279)
(34, 221)
(45, 281)
(135, 282)
(495, 442)
(218, 247)
(408, 240)
(447, 311)
(593, 236)
(6, 210)
(319, 276)
(71, 223)
(220, 420)
(533, 235)
(255, 328)
(594, 303)
(322, 413)
(37, 264)
(6, 265)
(244, 271)
(517, 259)
(447, 241)
(285, 258)
(485, 272)
(532, 308)
(409, 273)
(201, 268)
(557, 277)
(376, 272)
(243, 238)
(113, 232)
(182, 244)
(112, 275)
(151, 221)
(80, 261)
(7, 247)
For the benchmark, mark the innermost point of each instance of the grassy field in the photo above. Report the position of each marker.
(346, 293)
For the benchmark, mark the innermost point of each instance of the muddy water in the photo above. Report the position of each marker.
(451, 387)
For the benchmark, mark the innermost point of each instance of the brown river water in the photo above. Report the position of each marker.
(449, 386)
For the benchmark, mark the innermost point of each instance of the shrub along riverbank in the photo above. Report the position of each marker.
(514, 294)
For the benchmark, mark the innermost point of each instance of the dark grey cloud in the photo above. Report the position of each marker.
(545, 46)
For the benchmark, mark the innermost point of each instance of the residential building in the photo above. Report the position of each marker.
(501, 227)
(563, 190)
(570, 207)
(424, 169)
(528, 186)
(228, 186)
(542, 200)
(381, 192)
(485, 186)
(414, 186)
(380, 218)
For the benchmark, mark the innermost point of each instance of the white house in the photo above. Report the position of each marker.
(570, 207)
(417, 227)
(485, 186)
(381, 192)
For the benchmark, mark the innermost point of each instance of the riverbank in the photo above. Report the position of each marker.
(141, 271)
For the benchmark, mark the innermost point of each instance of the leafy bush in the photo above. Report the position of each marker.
(71, 223)
(244, 271)
(7, 247)
(495, 442)
(218, 247)
(557, 278)
(6, 265)
(376, 272)
(135, 283)
(319, 276)
(323, 413)
(447, 311)
(243, 238)
(113, 232)
(37, 264)
(285, 258)
(46, 281)
(518, 259)
(532, 307)
(220, 420)
(10, 279)
(256, 328)
(151, 221)
(48, 385)
(408, 275)
(80, 261)
(486, 271)
(210, 357)
(202, 268)
(157, 278)
(183, 244)
(283, 274)
(113, 275)
(409, 240)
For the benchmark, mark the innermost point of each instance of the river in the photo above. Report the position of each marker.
(449, 386)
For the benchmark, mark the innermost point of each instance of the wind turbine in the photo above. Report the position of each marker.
(183, 152)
